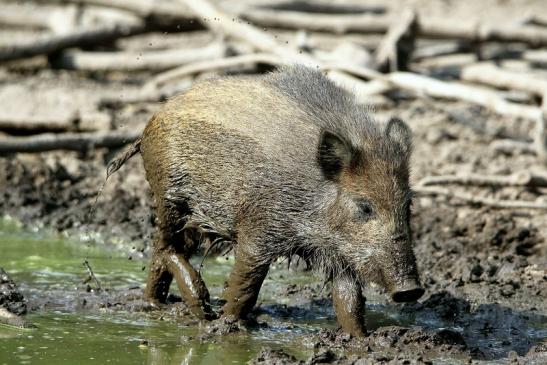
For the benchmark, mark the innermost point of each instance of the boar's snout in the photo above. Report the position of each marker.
(407, 291)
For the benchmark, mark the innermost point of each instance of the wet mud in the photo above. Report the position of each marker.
(483, 271)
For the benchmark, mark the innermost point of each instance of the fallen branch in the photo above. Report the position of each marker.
(362, 90)
(537, 58)
(440, 49)
(92, 274)
(423, 85)
(395, 50)
(327, 7)
(213, 65)
(366, 23)
(540, 135)
(133, 61)
(476, 200)
(453, 61)
(337, 24)
(536, 19)
(17, 16)
(489, 74)
(523, 178)
(222, 23)
(66, 141)
(143, 8)
(510, 146)
(79, 38)
(38, 123)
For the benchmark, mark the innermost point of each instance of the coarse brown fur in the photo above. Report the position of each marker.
(281, 164)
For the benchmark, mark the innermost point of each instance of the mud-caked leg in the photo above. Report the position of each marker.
(349, 305)
(170, 259)
(159, 277)
(244, 285)
(191, 286)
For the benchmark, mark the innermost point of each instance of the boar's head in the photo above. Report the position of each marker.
(371, 209)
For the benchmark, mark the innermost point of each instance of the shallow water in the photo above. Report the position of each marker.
(48, 270)
(45, 268)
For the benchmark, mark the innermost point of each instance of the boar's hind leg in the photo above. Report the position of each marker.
(159, 277)
(349, 305)
(191, 286)
(172, 250)
(244, 285)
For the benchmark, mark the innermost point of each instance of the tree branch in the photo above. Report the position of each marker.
(66, 141)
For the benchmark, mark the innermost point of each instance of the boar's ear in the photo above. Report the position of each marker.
(333, 154)
(399, 132)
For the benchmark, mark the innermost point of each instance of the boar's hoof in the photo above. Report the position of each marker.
(408, 293)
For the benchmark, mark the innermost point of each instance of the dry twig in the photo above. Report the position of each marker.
(510, 146)
(222, 23)
(66, 141)
(133, 61)
(489, 74)
(476, 200)
(79, 38)
(423, 85)
(523, 178)
(395, 50)
(536, 57)
(540, 135)
(429, 28)
(212, 65)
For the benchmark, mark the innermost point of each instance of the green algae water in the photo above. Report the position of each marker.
(75, 326)
(50, 271)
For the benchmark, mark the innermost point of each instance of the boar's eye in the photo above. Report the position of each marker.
(364, 210)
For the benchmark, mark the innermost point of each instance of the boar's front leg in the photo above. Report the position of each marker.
(244, 284)
(349, 305)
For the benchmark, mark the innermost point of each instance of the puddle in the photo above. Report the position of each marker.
(51, 275)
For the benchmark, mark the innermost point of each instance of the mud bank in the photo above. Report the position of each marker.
(483, 269)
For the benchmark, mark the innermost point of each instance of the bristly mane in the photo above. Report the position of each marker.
(333, 109)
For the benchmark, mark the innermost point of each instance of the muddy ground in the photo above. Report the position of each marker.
(484, 269)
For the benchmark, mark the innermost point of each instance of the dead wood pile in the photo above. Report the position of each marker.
(405, 54)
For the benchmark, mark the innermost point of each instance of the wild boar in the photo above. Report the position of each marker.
(280, 164)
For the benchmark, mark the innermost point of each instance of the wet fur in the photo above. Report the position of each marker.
(256, 161)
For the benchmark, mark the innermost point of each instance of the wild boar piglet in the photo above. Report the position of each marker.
(277, 165)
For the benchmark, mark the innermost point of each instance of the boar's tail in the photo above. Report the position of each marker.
(118, 162)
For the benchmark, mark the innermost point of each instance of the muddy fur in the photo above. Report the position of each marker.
(281, 164)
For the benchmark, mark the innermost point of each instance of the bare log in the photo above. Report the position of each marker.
(222, 23)
(537, 58)
(366, 23)
(79, 38)
(66, 141)
(362, 90)
(440, 49)
(396, 48)
(540, 135)
(327, 7)
(481, 201)
(423, 85)
(220, 64)
(143, 8)
(510, 146)
(523, 178)
(489, 74)
(536, 19)
(450, 61)
(17, 16)
(38, 123)
(338, 24)
(133, 61)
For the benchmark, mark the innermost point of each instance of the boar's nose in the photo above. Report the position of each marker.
(408, 291)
